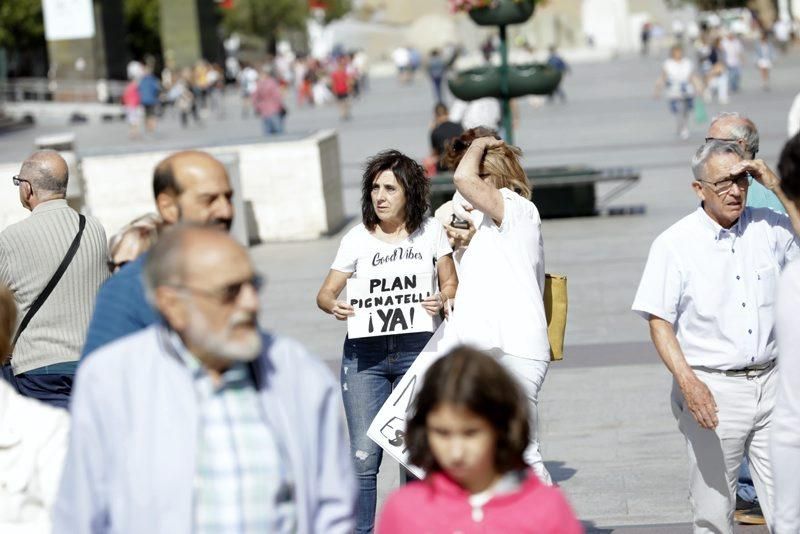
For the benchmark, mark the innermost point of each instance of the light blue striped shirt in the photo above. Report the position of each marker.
(242, 483)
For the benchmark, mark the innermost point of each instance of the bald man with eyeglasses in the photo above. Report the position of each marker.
(54, 262)
(708, 293)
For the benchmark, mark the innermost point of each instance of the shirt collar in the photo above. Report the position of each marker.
(236, 374)
(718, 231)
(50, 205)
(259, 370)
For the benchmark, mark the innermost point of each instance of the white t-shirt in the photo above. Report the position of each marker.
(366, 256)
(679, 78)
(785, 438)
(499, 303)
(732, 49)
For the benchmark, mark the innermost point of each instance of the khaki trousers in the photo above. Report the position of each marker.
(745, 406)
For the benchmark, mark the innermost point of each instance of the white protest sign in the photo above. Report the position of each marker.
(388, 429)
(68, 19)
(389, 305)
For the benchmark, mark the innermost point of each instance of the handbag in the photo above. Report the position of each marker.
(700, 113)
(73, 248)
(555, 309)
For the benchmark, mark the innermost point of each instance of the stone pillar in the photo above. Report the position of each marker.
(189, 31)
(102, 56)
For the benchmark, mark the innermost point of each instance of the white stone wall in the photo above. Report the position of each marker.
(11, 210)
(293, 187)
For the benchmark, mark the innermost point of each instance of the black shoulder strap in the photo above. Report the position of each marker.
(73, 248)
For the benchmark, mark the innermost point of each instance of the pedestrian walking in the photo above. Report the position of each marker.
(437, 69)
(342, 87)
(765, 55)
(785, 438)
(54, 262)
(468, 430)
(502, 269)
(132, 103)
(733, 50)
(248, 80)
(681, 84)
(555, 60)
(708, 292)
(716, 78)
(149, 94)
(395, 238)
(268, 102)
(203, 423)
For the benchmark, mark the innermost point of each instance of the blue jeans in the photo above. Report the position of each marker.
(273, 124)
(745, 489)
(371, 367)
(51, 384)
(734, 79)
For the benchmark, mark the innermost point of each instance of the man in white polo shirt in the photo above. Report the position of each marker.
(708, 293)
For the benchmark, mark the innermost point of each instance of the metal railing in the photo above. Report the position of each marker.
(44, 90)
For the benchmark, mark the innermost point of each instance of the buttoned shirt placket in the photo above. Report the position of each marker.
(745, 286)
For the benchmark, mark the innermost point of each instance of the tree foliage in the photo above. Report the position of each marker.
(143, 33)
(21, 24)
(337, 9)
(265, 18)
(268, 18)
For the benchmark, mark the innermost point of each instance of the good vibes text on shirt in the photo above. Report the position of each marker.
(398, 254)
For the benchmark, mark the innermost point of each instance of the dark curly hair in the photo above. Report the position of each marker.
(411, 177)
(470, 379)
(789, 168)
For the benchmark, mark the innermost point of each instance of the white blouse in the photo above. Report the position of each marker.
(499, 304)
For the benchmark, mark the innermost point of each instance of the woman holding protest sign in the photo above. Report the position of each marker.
(500, 305)
(401, 257)
(468, 430)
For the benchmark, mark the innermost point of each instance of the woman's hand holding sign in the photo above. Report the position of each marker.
(342, 310)
(436, 303)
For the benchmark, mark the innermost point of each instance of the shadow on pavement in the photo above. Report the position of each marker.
(559, 472)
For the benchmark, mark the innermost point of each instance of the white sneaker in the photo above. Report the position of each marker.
(684, 134)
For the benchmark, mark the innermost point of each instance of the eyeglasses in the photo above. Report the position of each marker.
(722, 187)
(229, 293)
(17, 180)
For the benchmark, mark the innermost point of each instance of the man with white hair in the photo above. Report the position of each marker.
(736, 128)
(708, 293)
(202, 423)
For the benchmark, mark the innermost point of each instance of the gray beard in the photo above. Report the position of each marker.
(218, 343)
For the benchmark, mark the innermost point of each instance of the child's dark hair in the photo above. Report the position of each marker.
(470, 379)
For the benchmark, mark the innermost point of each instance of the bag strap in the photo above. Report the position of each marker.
(73, 248)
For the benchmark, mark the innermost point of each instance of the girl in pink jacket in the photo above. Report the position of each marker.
(468, 431)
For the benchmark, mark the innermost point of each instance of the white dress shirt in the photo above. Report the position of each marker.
(717, 286)
(785, 436)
